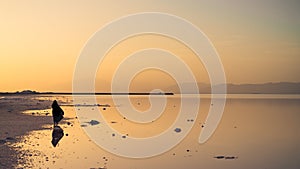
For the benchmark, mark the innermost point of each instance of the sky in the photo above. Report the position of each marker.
(258, 41)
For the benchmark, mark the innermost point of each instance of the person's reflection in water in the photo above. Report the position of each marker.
(57, 134)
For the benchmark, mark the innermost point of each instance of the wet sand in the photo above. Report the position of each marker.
(14, 125)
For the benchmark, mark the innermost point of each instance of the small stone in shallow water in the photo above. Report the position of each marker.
(219, 157)
(94, 122)
(10, 138)
(230, 158)
(177, 130)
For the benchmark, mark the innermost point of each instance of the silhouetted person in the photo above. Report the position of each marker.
(57, 113)
(57, 134)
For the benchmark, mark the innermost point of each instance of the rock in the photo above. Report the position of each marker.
(94, 122)
(177, 130)
(230, 158)
(226, 157)
(10, 138)
(2, 141)
(219, 157)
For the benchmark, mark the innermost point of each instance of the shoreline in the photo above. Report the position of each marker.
(68, 93)
(14, 124)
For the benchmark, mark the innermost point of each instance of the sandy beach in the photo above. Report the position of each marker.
(14, 124)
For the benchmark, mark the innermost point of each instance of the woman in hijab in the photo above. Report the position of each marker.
(57, 113)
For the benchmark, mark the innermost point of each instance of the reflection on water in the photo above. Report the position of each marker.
(57, 134)
(254, 133)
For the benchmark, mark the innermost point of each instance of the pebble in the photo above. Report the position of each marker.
(10, 138)
(219, 157)
(226, 157)
(2, 141)
(177, 130)
(230, 158)
(94, 122)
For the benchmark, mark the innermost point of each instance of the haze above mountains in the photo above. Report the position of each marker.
(264, 88)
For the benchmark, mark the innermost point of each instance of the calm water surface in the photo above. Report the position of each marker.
(259, 131)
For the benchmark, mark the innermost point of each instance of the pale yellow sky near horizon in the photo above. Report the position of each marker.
(257, 41)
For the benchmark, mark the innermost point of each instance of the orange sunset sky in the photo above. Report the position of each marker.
(257, 41)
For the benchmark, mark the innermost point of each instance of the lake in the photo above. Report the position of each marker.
(256, 131)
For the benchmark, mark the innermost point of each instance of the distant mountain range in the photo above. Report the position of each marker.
(31, 92)
(265, 88)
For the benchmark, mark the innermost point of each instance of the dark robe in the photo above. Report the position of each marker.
(57, 112)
